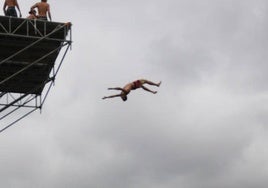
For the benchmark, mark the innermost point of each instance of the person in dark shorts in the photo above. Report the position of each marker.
(132, 86)
(9, 8)
(43, 10)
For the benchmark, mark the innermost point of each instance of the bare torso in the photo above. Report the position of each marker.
(127, 88)
(43, 8)
(11, 3)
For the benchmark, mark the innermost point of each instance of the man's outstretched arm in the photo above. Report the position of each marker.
(18, 7)
(34, 6)
(112, 96)
(4, 8)
(116, 88)
(48, 12)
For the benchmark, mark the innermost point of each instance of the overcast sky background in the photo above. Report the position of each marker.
(205, 128)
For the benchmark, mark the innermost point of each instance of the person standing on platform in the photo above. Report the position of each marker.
(32, 15)
(9, 8)
(43, 10)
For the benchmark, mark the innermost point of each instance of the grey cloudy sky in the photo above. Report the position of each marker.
(206, 127)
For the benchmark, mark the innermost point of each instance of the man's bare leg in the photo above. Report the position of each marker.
(146, 89)
(150, 82)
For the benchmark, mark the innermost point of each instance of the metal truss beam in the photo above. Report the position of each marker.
(29, 102)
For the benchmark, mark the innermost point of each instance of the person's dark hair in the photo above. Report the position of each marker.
(32, 12)
(124, 97)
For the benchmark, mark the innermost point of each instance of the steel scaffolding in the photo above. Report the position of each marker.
(31, 54)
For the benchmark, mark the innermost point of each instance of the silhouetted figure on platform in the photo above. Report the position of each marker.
(43, 10)
(10, 8)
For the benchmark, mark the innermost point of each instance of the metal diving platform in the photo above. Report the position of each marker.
(31, 54)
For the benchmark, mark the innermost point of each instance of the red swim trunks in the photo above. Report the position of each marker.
(136, 84)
